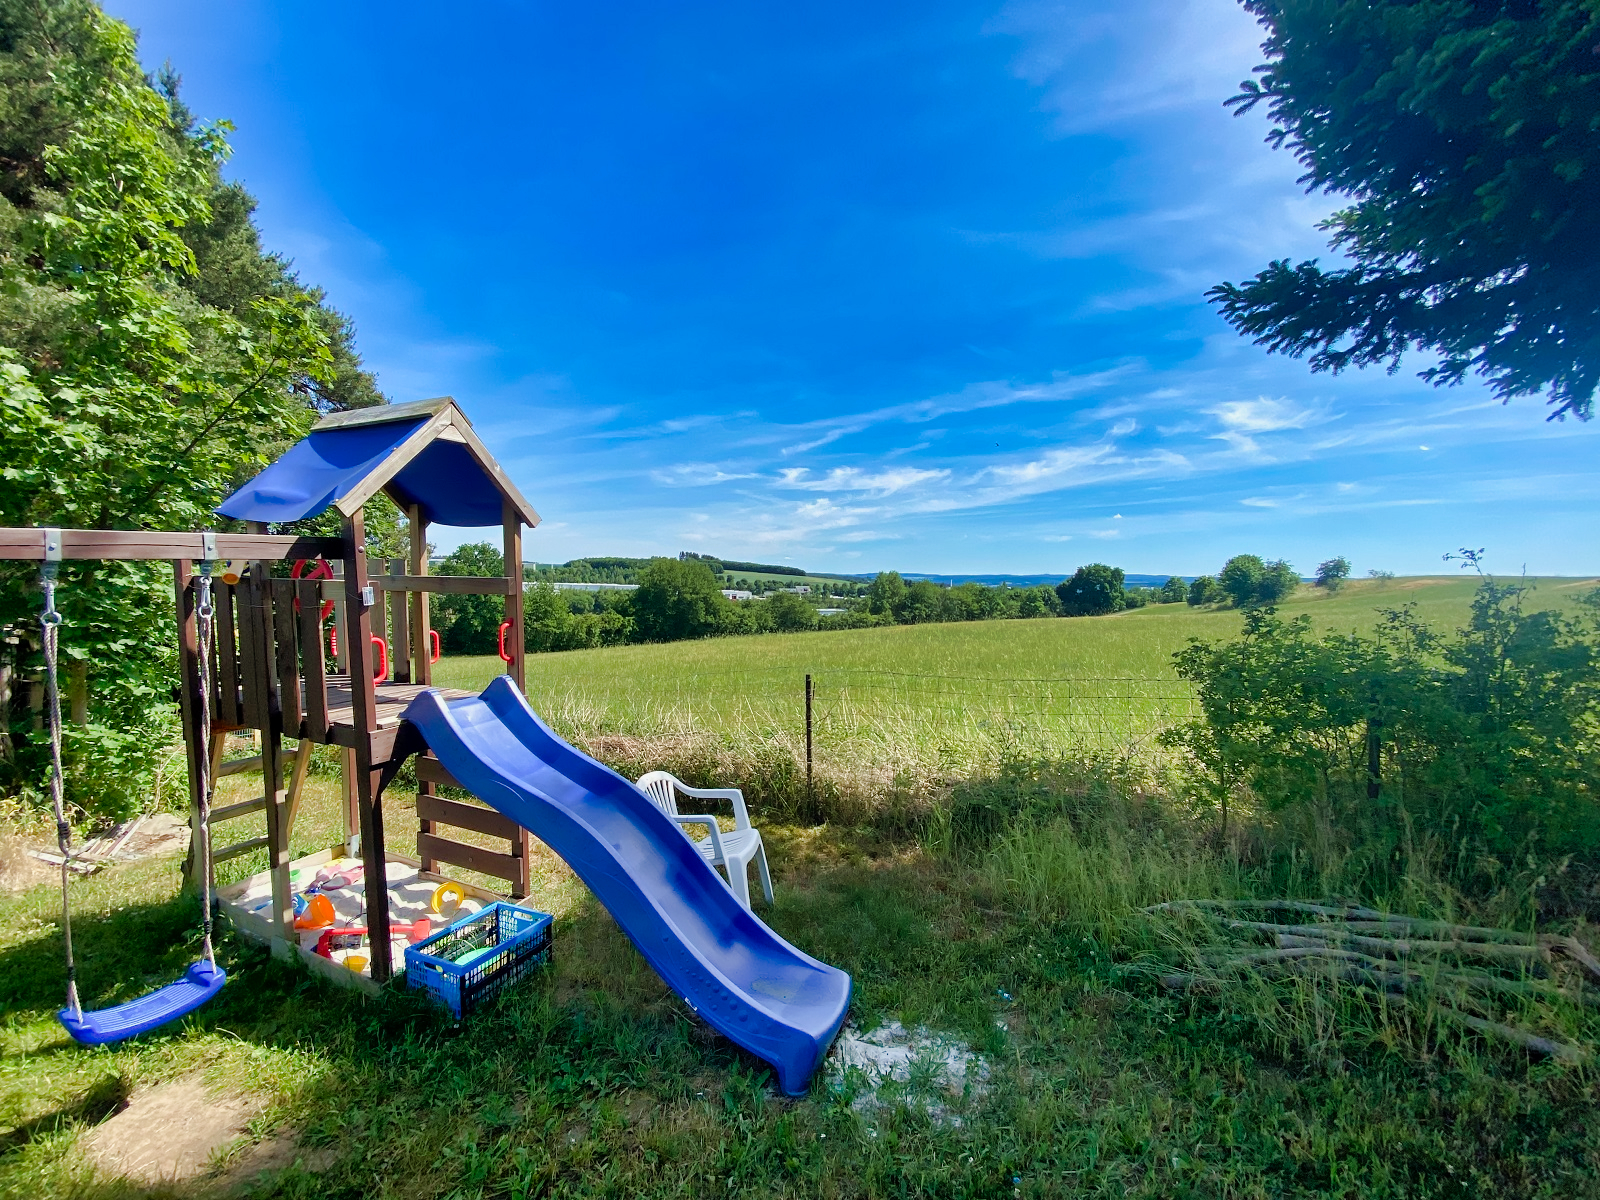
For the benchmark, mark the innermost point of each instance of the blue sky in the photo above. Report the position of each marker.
(908, 285)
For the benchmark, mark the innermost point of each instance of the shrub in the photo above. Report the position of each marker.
(1205, 590)
(1174, 591)
(1407, 740)
(1333, 573)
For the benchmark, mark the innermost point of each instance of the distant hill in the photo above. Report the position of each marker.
(1022, 580)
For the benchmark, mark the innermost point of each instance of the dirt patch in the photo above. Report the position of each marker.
(19, 872)
(157, 835)
(168, 1133)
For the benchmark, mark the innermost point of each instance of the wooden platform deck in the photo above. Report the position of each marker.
(392, 699)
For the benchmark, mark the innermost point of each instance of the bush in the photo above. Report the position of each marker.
(790, 613)
(1480, 745)
(1332, 574)
(1174, 591)
(1204, 590)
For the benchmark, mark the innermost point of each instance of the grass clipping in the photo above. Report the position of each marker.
(1461, 970)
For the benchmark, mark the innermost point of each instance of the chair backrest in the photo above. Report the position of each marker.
(662, 787)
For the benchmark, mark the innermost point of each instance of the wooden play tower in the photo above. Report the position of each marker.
(276, 671)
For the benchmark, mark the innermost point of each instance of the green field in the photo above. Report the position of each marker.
(935, 700)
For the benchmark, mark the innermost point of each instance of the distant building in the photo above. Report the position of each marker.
(593, 587)
(736, 594)
(799, 589)
(830, 612)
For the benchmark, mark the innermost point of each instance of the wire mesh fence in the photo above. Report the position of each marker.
(858, 713)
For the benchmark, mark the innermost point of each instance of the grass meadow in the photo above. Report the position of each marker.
(1022, 940)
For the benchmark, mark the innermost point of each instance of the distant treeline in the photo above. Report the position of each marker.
(682, 598)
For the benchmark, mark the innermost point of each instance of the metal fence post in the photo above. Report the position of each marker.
(810, 794)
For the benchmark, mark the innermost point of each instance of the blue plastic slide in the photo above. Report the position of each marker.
(747, 982)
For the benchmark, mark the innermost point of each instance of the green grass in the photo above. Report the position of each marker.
(1008, 917)
(593, 1080)
(926, 703)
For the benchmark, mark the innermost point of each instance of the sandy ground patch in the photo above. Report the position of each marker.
(168, 1133)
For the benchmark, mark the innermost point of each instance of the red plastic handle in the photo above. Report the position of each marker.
(433, 639)
(504, 627)
(383, 657)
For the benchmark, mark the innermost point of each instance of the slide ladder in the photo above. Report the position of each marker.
(746, 982)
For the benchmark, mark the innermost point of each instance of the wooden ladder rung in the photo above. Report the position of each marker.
(245, 807)
(238, 766)
(234, 851)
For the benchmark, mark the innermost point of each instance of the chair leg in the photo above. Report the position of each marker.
(739, 879)
(766, 875)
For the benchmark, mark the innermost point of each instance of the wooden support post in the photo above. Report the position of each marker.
(516, 607)
(265, 684)
(422, 649)
(341, 626)
(190, 698)
(363, 704)
(421, 643)
(400, 619)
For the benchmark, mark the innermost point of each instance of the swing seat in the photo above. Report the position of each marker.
(180, 997)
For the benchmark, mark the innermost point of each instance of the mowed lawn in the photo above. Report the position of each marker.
(967, 687)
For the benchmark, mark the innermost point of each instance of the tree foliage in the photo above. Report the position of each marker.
(151, 356)
(1332, 573)
(677, 599)
(1452, 748)
(1251, 583)
(1093, 590)
(469, 624)
(1463, 133)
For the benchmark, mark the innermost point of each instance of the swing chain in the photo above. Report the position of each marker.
(50, 644)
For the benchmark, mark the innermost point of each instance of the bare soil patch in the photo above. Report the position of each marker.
(169, 1133)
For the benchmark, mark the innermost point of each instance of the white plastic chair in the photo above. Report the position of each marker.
(732, 850)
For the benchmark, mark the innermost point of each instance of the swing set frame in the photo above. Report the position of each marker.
(269, 671)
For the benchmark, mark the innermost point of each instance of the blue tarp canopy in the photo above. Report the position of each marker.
(445, 479)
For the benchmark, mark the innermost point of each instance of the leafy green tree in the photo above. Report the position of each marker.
(790, 613)
(1205, 590)
(1174, 591)
(1092, 591)
(1251, 583)
(1463, 136)
(137, 385)
(1332, 574)
(469, 624)
(677, 599)
(922, 603)
(886, 593)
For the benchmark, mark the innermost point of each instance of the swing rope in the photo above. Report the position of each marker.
(49, 631)
(204, 610)
(112, 1025)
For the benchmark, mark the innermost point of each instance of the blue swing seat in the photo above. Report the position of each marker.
(188, 992)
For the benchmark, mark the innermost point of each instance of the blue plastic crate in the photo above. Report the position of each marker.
(501, 944)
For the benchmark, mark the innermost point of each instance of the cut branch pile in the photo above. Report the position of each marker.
(1454, 966)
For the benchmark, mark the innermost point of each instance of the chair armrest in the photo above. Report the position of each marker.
(710, 823)
(741, 817)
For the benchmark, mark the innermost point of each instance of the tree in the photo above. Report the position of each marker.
(790, 613)
(677, 599)
(469, 624)
(1092, 591)
(1205, 590)
(1174, 591)
(151, 356)
(1462, 134)
(1332, 574)
(886, 593)
(1251, 583)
